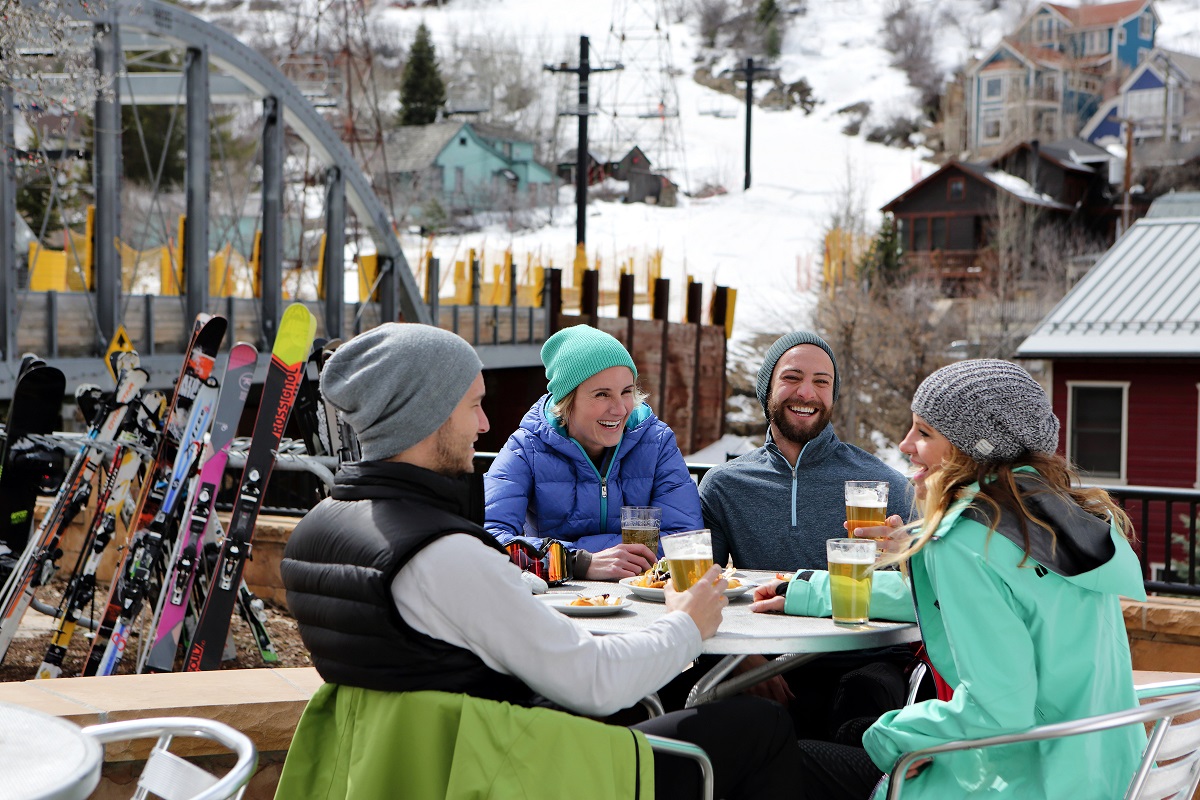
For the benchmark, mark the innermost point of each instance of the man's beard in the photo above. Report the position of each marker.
(800, 432)
(453, 459)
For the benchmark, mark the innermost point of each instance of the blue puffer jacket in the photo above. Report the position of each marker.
(543, 485)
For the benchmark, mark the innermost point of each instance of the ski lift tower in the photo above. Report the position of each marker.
(642, 103)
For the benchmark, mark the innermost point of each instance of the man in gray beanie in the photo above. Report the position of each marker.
(398, 589)
(774, 508)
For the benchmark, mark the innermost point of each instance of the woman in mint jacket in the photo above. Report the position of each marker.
(1015, 577)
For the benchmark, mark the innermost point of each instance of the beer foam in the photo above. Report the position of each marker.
(851, 558)
(864, 498)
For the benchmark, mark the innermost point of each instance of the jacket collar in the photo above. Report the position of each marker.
(389, 480)
(541, 422)
(815, 451)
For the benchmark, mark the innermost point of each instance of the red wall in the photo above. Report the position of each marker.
(1162, 415)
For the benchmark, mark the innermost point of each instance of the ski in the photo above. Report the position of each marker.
(253, 611)
(35, 409)
(37, 562)
(148, 545)
(296, 331)
(128, 462)
(198, 362)
(166, 628)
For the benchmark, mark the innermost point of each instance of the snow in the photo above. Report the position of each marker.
(765, 242)
(1019, 187)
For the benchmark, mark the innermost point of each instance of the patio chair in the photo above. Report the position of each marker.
(661, 744)
(1170, 766)
(169, 776)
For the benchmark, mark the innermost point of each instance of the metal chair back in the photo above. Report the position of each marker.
(663, 744)
(1170, 765)
(169, 776)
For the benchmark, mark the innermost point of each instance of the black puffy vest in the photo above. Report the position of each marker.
(338, 568)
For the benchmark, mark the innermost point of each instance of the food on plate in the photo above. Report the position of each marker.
(784, 576)
(654, 578)
(734, 583)
(597, 600)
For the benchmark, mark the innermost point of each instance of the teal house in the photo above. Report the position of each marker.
(461, 168)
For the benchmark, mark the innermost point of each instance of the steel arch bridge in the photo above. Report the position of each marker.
(283, 104)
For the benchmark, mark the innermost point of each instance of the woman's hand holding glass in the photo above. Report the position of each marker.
(889, 537)
(620, 561)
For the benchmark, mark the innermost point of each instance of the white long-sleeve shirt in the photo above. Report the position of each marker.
(471, 596)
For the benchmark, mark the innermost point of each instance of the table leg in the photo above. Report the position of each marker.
(713, 686)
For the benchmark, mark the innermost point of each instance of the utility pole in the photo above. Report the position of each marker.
(750, 72)
(582, 111)
(1127, 183)
(1166, 137)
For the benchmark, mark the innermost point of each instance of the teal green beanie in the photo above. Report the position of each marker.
(577, 353)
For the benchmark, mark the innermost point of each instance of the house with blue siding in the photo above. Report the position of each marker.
(1049, 77)
(1161, 95)
(462, 167)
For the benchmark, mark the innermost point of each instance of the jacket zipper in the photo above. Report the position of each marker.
(603, 485)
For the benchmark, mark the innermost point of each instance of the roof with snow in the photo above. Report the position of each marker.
(413, 148)
(1079, 151)
(1141, 299)
(998, 179)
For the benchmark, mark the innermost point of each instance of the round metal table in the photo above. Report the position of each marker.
(43, 757)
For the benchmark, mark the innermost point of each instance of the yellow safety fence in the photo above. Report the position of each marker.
(843, 250)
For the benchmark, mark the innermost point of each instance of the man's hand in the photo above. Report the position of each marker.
(704, 602)
(915, 769)
(620, 561)
(888, 537)
(765, 599)
(773, 688)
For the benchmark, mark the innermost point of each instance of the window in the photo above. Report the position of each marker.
(991, 127)
(1121, 36)
(921, 235)
(956, 189)
(459, 180)
(1146, 26)
(1044, 29)
(1096, 428)
(1095, 42)
(938, 234)
(993, 87)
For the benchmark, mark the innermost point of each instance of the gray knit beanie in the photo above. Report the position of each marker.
(991, 410)
(396, 384)
(776, 351)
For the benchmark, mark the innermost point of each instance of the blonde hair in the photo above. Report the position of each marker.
(561, 411)
(998, 491)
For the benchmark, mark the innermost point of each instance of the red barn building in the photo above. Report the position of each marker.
(1124, 354)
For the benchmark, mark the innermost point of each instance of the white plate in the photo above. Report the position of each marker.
(659, 596)
(562, 602)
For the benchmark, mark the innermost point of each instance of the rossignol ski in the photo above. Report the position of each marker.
(292, 343)
(37, 562)
(167, 627)
(198, 362)
(116, 496)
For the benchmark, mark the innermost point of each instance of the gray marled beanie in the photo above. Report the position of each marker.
(397, 384)
(776, 351)
(992, 410)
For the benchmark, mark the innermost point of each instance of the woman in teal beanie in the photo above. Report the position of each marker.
(586, 448)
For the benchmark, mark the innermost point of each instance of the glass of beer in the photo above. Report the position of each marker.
(640, 525)
(866, 504)
(850, 565)
(689, 555)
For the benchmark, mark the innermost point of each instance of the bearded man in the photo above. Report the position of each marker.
(775, 507)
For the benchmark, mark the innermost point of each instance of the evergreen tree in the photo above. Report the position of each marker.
(883, 263)
(422, 91)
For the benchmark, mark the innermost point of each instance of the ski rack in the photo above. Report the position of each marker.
(292, 455)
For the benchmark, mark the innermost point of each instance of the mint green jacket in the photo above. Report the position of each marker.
(360, 744)
(1021, 646)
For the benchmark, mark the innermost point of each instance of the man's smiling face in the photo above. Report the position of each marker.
(801, 400)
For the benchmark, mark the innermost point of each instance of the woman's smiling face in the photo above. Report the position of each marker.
(925, 448)
(602, 405)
